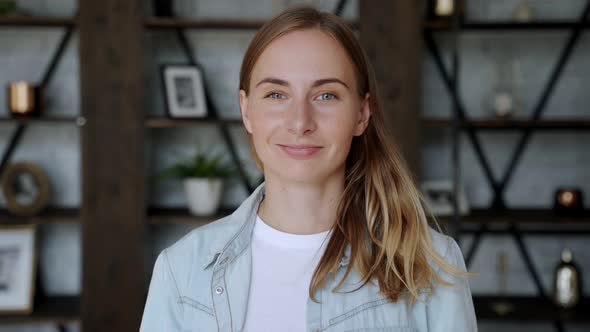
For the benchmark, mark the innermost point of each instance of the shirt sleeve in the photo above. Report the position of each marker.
(450, 308)
(162, 310)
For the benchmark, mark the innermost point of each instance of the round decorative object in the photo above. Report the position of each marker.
(26, 188)
(568, 201)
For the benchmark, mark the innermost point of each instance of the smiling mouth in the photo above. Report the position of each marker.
(300, 150)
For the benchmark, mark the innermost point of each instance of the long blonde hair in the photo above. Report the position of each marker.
(380, 198)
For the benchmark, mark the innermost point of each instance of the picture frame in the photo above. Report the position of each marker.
(18, 268)
(184, 91)
(439, 198)
(26, 188)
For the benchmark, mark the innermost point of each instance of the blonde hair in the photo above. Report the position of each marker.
(380, 199)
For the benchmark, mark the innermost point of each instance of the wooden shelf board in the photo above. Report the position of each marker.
(528, 221)
(41, 119)
(167, 216)
(48, 216)
(528, 308)
(497, 124)
(523, 216)
(442, 25)
(172, 123)
(35, 21)
(170, 23)
(53, 309)
(218, 24)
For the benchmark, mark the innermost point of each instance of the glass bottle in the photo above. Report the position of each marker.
(566, 282)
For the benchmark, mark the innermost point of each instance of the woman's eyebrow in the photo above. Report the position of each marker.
(319, 82)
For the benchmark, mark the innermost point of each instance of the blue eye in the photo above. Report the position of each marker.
(274, 95)
(327, 96)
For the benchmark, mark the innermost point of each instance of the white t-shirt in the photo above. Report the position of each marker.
(282, 267)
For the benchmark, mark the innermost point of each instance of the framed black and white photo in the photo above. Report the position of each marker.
(184, 91)
(440, 197)
(17, 269)
(26, 188)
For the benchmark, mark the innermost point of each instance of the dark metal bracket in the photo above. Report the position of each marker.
(47, 76)
(180, 34)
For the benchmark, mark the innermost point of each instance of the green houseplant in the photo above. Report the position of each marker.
(202, 177)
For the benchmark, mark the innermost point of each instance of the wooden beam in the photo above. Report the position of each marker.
(391, 33)
(113, 202)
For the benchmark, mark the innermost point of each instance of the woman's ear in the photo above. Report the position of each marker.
(244, 111)
(364, 116)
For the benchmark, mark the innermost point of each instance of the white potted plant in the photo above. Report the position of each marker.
(202, 177)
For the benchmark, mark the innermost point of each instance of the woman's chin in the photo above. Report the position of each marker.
(303, 175)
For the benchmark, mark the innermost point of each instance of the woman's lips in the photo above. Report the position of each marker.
(300, 150)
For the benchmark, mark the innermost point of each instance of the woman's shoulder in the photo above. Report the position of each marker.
(446, 247)
(198, 247)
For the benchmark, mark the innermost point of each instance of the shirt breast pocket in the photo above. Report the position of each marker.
(378, 315)
(197, 316)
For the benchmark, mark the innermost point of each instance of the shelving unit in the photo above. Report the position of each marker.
(36, 21)
(495, 124)
(467, 26)
(48, 216)
(204, 24)
(172, 123)
(529, 309)
(57, 310)
(498, 219)
(176, 23)
(181, 216)
(76, 120)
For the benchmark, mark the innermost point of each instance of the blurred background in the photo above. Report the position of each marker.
(113, 112)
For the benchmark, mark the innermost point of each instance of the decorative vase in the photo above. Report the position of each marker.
(203, 195)
(504, 101)
(24, 98)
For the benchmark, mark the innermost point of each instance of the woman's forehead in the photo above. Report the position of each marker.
(304, 55)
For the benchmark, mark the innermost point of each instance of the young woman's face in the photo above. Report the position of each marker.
(303, 107)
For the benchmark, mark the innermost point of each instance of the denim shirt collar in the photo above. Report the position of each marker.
(241, 223)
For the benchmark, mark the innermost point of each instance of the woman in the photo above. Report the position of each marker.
(336, 238)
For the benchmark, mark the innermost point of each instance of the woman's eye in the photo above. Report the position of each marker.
(275, 95)
(327, 96)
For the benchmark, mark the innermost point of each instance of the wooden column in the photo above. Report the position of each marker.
(113, 203)
(391, 33)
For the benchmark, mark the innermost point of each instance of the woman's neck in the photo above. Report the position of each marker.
(300, 208)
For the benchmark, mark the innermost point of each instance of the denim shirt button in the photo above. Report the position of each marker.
(218, 290)
(317, 329)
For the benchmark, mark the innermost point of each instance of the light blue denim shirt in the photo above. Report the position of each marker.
(201, 283)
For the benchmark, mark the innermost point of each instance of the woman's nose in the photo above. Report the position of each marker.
(301, 120)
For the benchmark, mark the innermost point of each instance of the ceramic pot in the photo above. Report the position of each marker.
(203, 195)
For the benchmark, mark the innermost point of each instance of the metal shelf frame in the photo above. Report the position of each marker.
(450, 80)
(22, 126)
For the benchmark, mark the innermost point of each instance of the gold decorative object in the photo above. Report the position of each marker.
(24, 98)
